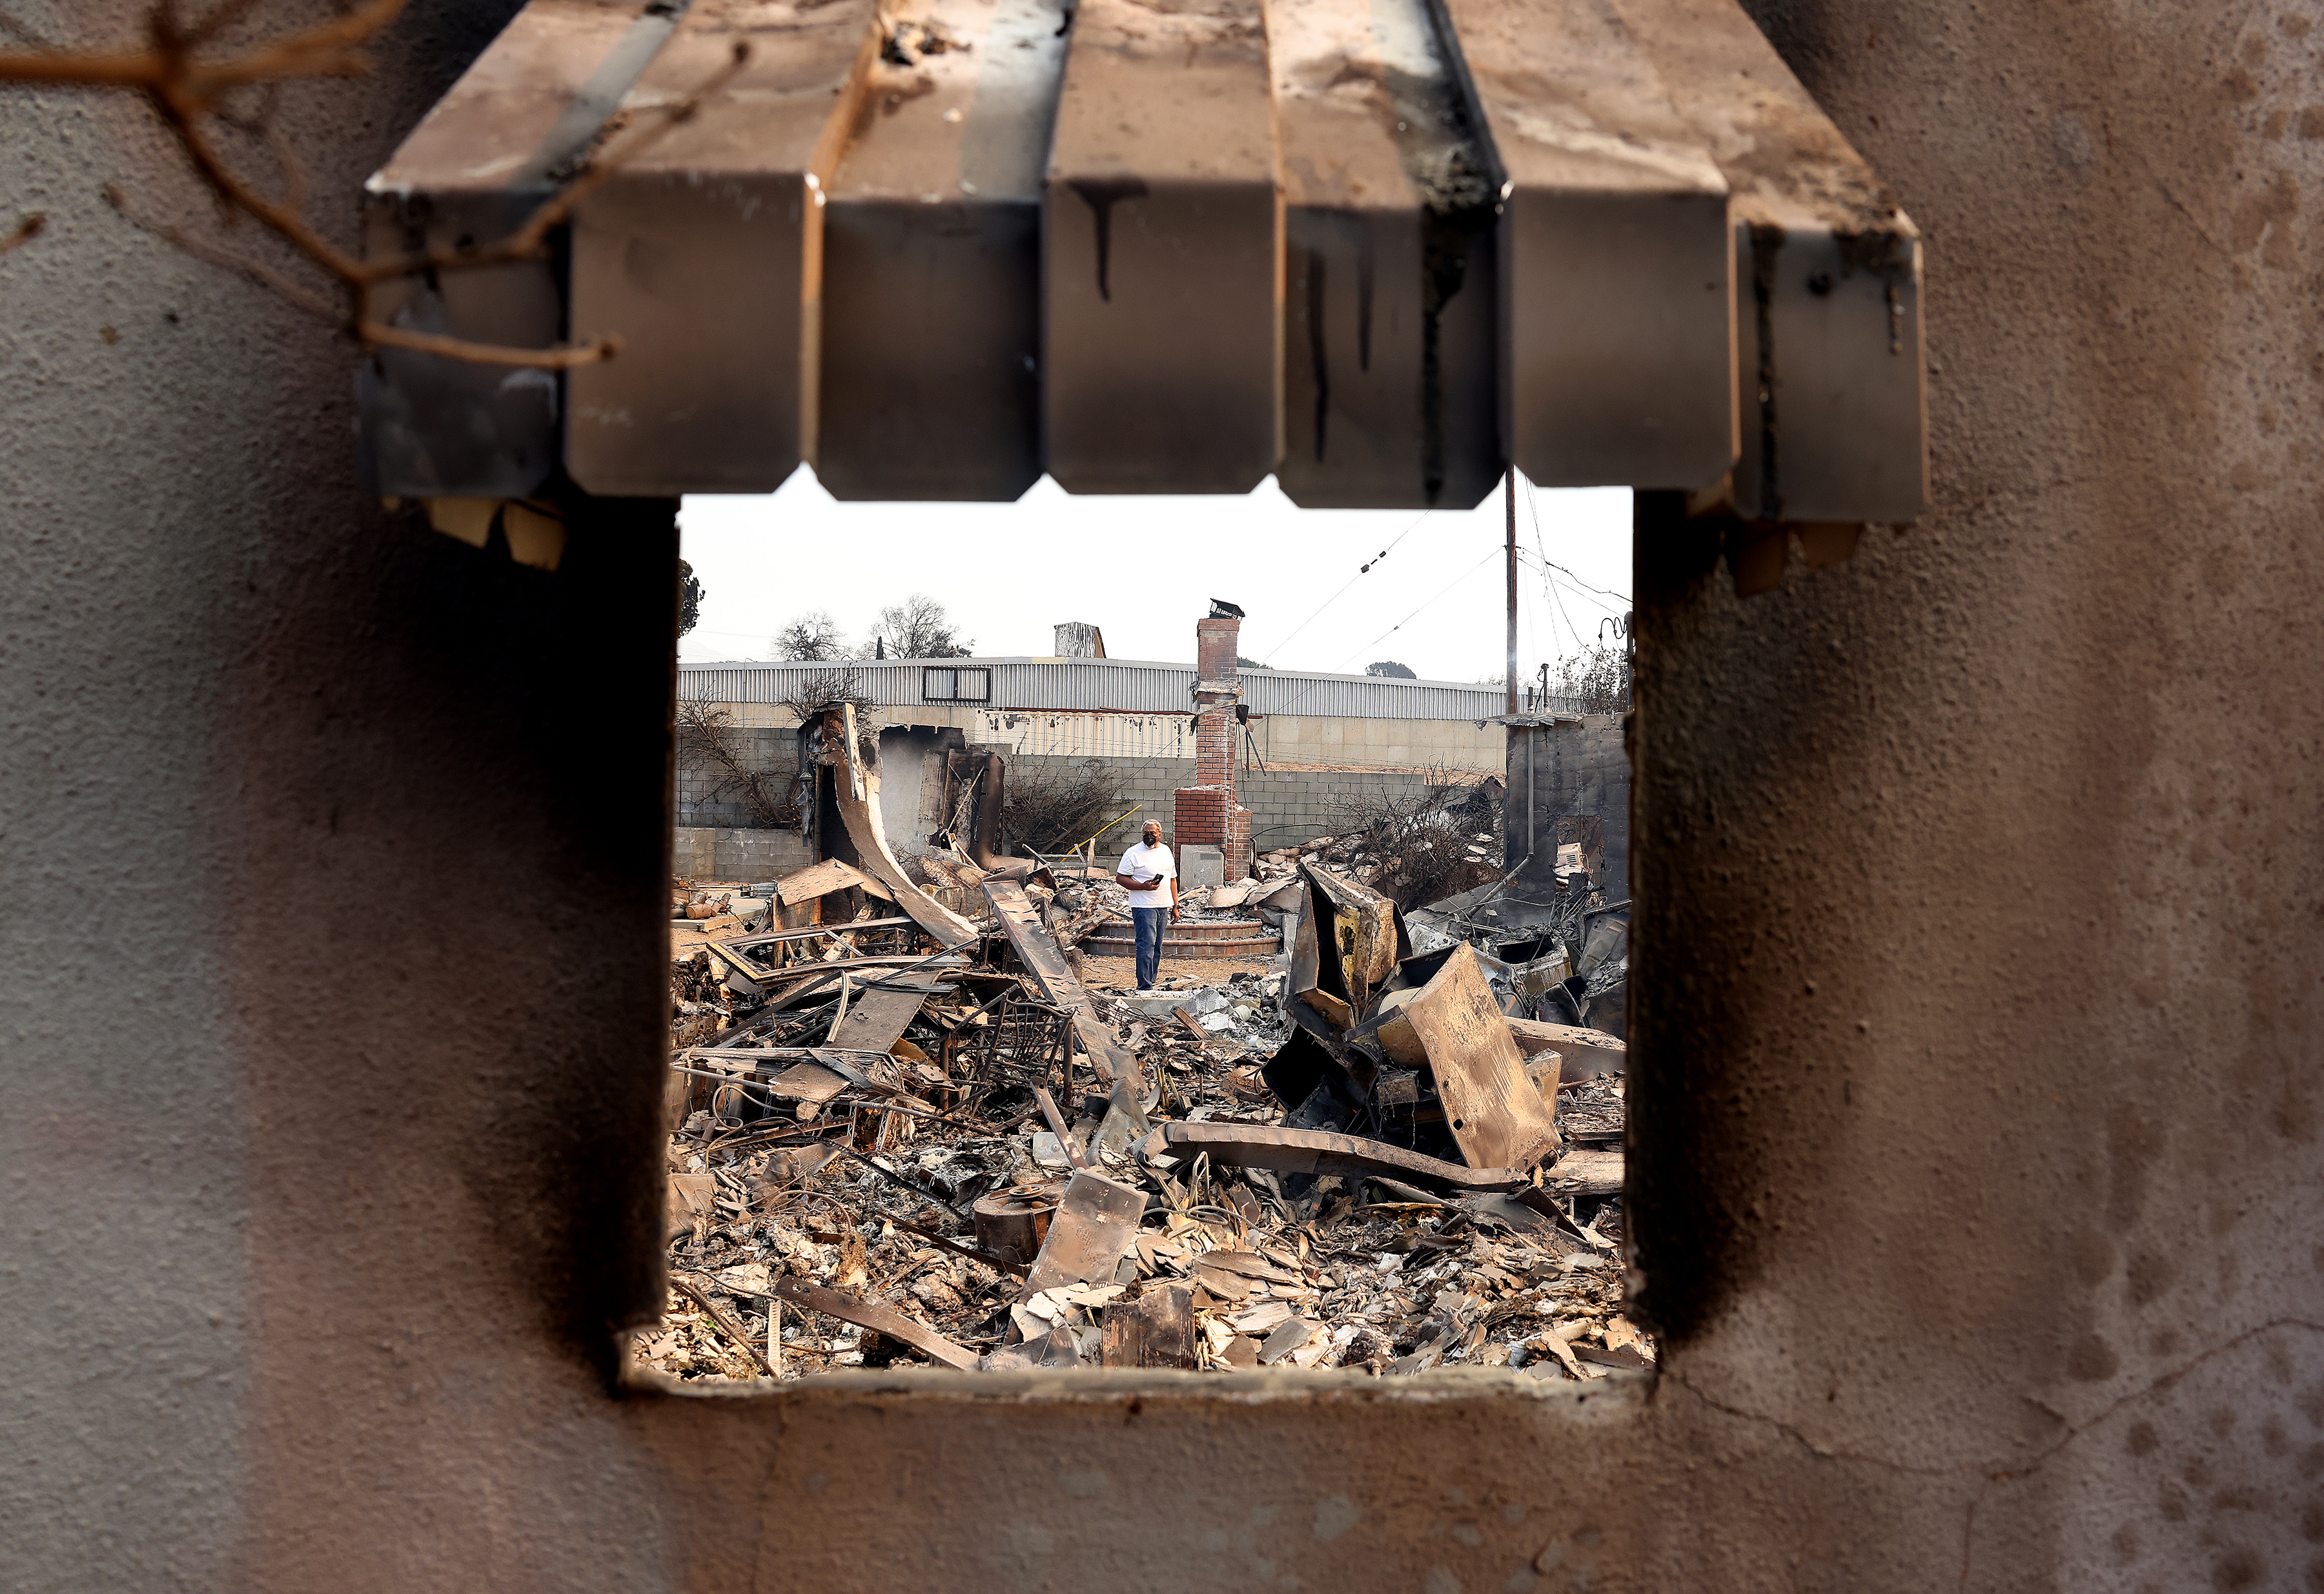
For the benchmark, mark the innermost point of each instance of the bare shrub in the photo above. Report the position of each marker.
(827, 690)
(709, 744)
(1600, 676)
(1050, 808)
(1422, 837)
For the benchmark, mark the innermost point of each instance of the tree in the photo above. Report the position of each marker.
(811, 638)
(917, 628)
(1392, 669)
(1242, 663)
(689, 598)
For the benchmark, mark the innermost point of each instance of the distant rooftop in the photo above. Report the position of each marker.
(1053, 685)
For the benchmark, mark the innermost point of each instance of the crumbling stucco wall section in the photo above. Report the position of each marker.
(1975, 1072)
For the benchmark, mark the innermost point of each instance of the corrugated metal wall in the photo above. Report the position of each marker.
(1115, 684)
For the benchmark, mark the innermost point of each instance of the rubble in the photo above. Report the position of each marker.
(930, 1135)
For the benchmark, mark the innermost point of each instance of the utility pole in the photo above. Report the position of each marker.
(1509, 493)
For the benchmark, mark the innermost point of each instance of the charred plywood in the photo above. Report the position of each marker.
(1495, 1112)
(1829, 369)
(491, 152)
(1616, 260)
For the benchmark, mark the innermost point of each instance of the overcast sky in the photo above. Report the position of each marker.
(1144, 571)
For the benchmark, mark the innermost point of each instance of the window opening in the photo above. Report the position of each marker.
(955, 684)
(1369, 1114)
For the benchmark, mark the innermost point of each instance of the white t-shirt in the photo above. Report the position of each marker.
(1154, 862)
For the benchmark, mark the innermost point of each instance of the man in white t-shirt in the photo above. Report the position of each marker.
(1150, 876)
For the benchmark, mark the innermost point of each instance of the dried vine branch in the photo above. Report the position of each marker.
(707, 743)
(186, 87)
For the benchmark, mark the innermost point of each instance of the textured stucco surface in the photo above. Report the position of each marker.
(1975, 1072)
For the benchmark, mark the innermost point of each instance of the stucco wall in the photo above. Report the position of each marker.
(1974, 1071)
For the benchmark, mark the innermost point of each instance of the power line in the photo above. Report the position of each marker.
(1362, 570)
(1408, 620)
(1550, 582)
(1535, 509)
(1494, 553)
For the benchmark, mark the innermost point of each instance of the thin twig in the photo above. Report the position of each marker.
(228, 184)
(186, 92)
(258, 272)
(530, 239)
(329, 49)
(564, 358)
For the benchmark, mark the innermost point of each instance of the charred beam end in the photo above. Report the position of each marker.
(1318, 1151)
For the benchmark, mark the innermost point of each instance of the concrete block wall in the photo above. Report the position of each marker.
(1149, 782)
(1285, 806)
(712, 852)
(699, 802)
(1291, 806)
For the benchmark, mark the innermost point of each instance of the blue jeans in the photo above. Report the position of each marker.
(1149, 922)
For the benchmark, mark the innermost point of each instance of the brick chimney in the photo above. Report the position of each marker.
(1206, 814)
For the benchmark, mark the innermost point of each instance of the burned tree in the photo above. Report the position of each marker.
(1599, 676)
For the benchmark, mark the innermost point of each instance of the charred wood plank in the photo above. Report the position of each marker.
(1057, 981)
(1318, 1151)
(1496, 1113)
(865, 1313)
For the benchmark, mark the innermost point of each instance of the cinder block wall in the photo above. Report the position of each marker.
(708, 852)
(772, 747)
(1287, 806)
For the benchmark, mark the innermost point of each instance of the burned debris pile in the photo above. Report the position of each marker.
(908, 1134)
